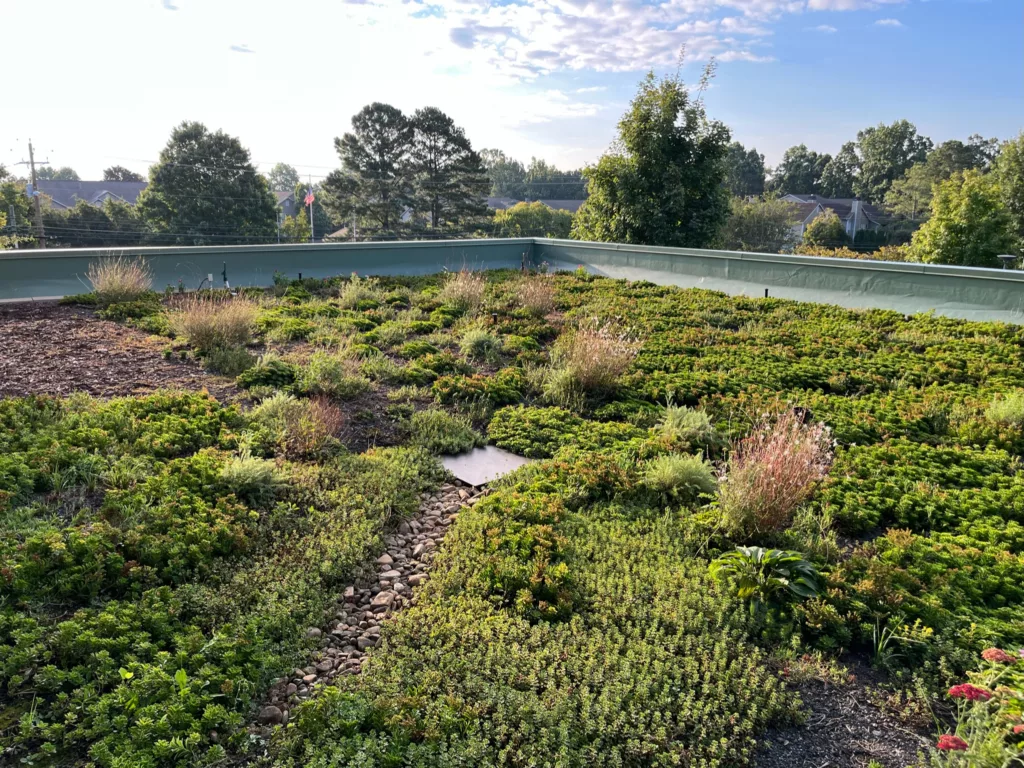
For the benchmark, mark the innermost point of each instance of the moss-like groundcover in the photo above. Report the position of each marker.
(163, 556)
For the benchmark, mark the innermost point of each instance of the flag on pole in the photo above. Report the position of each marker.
(309, 197)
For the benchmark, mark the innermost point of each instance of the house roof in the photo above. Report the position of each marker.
(282, 196)
(66, 193)
(843, 206)
(805, 211)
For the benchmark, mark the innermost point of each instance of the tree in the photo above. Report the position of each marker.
(374, 184)
(13, 199)
(826, 229)
(449, 182)
(295, 229)
(508, 176)
(799, 173)
(969, 223)
(886, 153)
(64, 173)
(282, 178)
(663, 182)
(532, 220)
(545, 181)
(911, 195)
(120, 173)
(205, 190)
(761, 225)
(840, 173)
(1008, 169)
(744, 171)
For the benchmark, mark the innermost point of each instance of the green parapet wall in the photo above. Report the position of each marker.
(61, 272)
(967, 292)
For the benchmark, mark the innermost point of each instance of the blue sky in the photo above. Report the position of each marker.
(545, 78)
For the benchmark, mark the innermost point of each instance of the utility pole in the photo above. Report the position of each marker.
(35, 193)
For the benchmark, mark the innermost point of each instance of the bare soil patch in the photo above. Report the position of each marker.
(843, 729)
(47, 348)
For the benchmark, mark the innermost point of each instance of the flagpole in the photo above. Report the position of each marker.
(312, 235)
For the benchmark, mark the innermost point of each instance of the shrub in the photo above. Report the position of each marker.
(763, 576)
(536, 295)
(440, 432)
(1008, 410)
(229, 361)
(210, 323)
(312, 431)
(478, 344)
(688, 426)
(269, 371)
(119, 279)
(331, 375)
(464, 291)
(772, 472)
(251, 479)
(414, 349)
(680, 476)
(359, 289)
(594, 357)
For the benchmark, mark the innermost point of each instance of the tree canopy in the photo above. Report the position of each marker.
(49, 173)
(507, 175)
(826, 229)
(120, 173)
(886, 153)
(1009, 171)
(969, 223)
(840, 173)
(911, 194)
(448, 178)
(374, 183)
(532, 220)
(663, 182)
(759, 225)
(744, 171)
(799, 172)
(205, 190)
(282, 178)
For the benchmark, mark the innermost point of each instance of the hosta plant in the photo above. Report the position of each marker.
(766, 576)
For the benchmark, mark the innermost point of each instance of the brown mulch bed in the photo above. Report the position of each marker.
(843, 729)
(46, 348)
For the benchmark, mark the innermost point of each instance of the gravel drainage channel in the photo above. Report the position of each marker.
(364, 606)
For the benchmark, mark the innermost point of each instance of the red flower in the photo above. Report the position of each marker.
(969, 692)
(1018, 728)
(950, 742)
(997, 655)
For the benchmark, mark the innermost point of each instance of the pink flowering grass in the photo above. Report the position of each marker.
(772, 472)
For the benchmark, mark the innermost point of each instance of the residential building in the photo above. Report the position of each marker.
(856, 215)
(66, 194)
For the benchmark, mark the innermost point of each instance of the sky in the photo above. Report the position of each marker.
(103, 82)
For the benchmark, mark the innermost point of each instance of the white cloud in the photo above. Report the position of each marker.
(888, 23)
(592, 89)
(242, 49)
(848, 5)
(827, 29)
